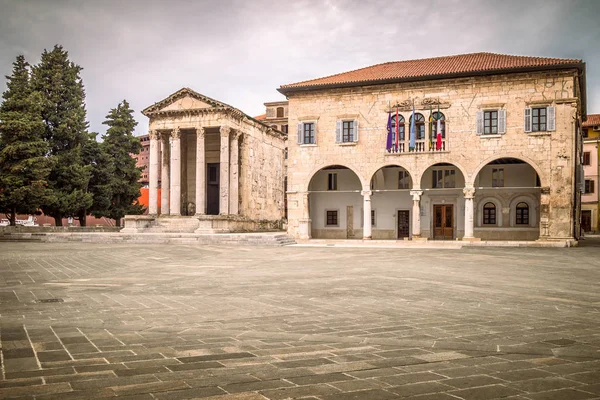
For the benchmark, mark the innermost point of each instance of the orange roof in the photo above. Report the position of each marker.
(427, 68)
(261, 117)
(592, 120)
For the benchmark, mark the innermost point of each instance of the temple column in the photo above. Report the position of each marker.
(164, 176)
(416, 213)
(224, 171)
(367, 229)
(200, 172)
(234, 201)
(153, 195)
(469, 193)
(304, 225)
(175, 198)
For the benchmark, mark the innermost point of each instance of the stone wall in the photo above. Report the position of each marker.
(551, 154)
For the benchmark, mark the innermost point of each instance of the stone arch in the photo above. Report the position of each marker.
(533, 204)
(527, 160)
(371, 174)
(351, 167)
(489, 199)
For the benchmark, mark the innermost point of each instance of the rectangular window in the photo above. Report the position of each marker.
(586, 158)
(538, 119)
(443, 178)
(490, 122)
(331, 218)
(403, 180)
(589, 186)
(372, 217)
(497, 177)
(332, 181)
(284, 128)
(347, 131)
(489, 214)
(309, 133)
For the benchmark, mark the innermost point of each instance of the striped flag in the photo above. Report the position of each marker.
(411, 144)
(389, 144)
(397, 141)
(438, 142)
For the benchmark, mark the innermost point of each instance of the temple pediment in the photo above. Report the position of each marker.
(185, 100)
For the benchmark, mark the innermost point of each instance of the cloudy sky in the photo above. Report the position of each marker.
(240, 51)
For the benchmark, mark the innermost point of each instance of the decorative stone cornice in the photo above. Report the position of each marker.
(176, 133)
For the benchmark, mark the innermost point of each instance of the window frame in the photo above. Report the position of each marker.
(535, 119)
(312, 137)
(589, 186)
(445, 173)
(406, 176)
(419, 126)
(587, 158)
(401, 129)
(337, 218)
(348, 130)
(495, 180)
(332, 181)
(522, 214)
(489, 217)
(434, 119)
(491, 120)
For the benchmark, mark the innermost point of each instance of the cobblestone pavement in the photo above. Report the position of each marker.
(83, 321)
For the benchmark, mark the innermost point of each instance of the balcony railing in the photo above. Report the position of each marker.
(421, 146)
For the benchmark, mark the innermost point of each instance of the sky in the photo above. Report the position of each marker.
(240, 51)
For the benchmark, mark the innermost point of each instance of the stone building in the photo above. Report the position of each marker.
(590, 199)
(503, 166)
(142, 159)
(220, 170)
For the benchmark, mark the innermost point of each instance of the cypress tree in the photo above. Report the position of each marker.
(120, 144)
(24, 166)
(63, 112)
(94, 154)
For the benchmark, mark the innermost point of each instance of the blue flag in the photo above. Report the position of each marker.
(411, 144)
(389, 144)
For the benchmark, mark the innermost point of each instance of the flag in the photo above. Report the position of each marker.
(438, 142)
(411, 145)
(430, 128)
(397, 140)
(389, 144)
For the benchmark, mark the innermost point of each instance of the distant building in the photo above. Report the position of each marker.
(590, 198)
(143, 159)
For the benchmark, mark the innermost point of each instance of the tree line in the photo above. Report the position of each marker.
(49, 161)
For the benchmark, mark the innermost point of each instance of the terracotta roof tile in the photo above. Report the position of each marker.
(261, 117)
(459, 64)
(592, 120)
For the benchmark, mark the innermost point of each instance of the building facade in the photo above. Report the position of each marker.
(590, 199)
(502, 167)
(219, 168)
(142, 160)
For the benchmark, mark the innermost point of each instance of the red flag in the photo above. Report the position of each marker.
(397, 129)
(438, 142)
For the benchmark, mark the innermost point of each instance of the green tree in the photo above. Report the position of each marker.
(24, 166)
(63, 112)
(119, 143)
(99, 186)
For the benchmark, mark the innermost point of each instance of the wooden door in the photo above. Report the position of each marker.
(212, 189)
(403, 224)
(443, 222)
(586, 220)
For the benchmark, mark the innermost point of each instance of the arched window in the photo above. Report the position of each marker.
(419, 126)
(401, 130)
(435, 117)
(279, 112)
(489, 214)
(522, 214)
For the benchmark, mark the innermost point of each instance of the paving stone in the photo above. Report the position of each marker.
(256, 386)
(371, 394)
(189, 393)
(472, 381)
(543, 384)
(562, 394)
(522, 375)
(323, 378)
(45, 356)
(485, 392)
(415, 389)
(396, 380)
(586, 377)
(318, 390)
